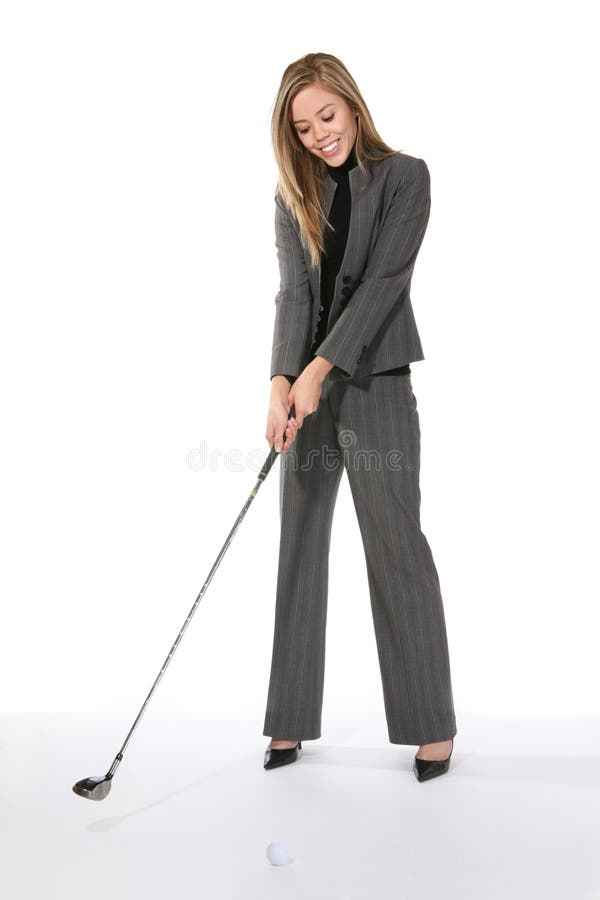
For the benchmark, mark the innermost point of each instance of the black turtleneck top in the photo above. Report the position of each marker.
(333, 254)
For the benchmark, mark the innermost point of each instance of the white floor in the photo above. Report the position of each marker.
(192, 810)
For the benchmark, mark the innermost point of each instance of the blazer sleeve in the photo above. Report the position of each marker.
(293, 302)
(387, 273)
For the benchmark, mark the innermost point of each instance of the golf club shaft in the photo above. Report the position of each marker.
(261, 477)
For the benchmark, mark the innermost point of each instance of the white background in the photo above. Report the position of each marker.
(138, 282)
(138, 277)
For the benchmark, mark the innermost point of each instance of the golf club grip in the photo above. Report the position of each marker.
(272, 455)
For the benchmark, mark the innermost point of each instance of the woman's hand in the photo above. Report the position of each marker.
(306, 390)
(277, 419)
(305, 393)
(304, 396)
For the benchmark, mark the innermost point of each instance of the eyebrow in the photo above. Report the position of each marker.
(297, 121)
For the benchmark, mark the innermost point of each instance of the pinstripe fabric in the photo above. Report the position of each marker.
(371, 324)
(368, 427)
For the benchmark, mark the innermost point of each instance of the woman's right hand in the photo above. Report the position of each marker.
(281, 430)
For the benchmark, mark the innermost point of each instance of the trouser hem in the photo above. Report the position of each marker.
(430, 738)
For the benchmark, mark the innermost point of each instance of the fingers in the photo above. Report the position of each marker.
(281, 436)
(270, 434)
(298, 418)
(290, 433)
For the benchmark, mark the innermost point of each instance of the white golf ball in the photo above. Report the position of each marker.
(278, 854)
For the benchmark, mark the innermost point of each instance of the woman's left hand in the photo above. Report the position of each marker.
(305, 392)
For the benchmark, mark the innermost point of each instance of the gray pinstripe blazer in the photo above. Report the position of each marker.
(371, 324)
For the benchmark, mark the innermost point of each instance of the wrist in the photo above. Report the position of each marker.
(280, 388)
(321, 367)
(280, 381)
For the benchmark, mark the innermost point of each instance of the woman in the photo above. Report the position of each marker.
(350, 216)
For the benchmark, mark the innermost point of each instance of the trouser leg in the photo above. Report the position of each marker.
(310, 473)
(378, 427)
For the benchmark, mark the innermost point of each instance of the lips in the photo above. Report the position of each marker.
(334, 146)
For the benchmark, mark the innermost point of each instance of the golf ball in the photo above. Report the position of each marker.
(278, 854)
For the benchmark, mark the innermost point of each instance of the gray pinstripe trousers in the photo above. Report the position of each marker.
(369, 426)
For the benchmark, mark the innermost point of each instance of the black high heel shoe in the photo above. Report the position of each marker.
(274, 758)
(425, 769)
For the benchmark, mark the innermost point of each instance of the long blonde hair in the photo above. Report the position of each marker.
(301, 181)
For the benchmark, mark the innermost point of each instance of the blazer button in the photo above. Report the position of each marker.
(347, 279)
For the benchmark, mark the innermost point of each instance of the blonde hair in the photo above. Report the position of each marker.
(301, 181)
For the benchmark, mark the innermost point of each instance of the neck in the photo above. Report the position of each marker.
(339, 172)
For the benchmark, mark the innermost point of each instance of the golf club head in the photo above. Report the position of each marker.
(95, 788)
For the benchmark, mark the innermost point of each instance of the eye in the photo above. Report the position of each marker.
(328, 119)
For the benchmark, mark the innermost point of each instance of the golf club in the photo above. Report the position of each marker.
(97, 787)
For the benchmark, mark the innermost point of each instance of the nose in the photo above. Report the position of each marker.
(321, 136)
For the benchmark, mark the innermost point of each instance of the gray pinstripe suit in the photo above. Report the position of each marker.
(369, 427)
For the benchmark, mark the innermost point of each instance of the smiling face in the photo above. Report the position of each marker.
(324, 123)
